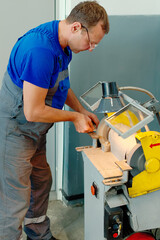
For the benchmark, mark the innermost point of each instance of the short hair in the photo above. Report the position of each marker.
(89, 13)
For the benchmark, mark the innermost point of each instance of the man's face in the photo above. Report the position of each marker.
(86, 39)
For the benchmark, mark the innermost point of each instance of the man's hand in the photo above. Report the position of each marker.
(83, 123)
(92, 116)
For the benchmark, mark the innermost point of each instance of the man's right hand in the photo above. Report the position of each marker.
(83, 123)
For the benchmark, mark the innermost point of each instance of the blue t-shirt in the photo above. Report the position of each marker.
(38, 58)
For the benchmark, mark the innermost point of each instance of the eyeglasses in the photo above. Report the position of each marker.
(91, 45)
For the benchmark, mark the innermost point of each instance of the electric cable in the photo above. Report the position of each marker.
(137, 89)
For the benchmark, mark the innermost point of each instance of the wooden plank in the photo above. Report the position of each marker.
(104, 162)
(93, 135)
(112, 181)
(123, 165)
(111, 173)
(80, 149)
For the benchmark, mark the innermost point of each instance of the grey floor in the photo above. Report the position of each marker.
(67, 223)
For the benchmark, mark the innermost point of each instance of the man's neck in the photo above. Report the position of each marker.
(63, 33)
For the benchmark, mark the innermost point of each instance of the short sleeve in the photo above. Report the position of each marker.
(37, 67)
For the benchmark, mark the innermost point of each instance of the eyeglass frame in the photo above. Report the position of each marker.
(91, 45)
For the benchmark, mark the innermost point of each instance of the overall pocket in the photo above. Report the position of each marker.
(60, 96)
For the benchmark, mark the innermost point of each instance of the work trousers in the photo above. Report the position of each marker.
(25, 176)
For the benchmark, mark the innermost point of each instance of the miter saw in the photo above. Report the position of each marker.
(122, 167)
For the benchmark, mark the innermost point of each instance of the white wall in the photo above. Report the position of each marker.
(124, 7)
(16, 17)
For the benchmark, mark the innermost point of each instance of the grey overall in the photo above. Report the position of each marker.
(25, 176)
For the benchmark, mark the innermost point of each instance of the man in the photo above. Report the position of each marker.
(34, 90)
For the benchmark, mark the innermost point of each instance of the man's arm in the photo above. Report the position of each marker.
(36, 110)
(73, 102)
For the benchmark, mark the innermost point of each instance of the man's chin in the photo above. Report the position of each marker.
(76, 51)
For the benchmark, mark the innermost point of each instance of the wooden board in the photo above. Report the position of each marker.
(112, 181)
(105, 162)
(123, 165)
(80, 149)
(93, 135)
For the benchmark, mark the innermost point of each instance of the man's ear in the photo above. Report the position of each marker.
(75, 27)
